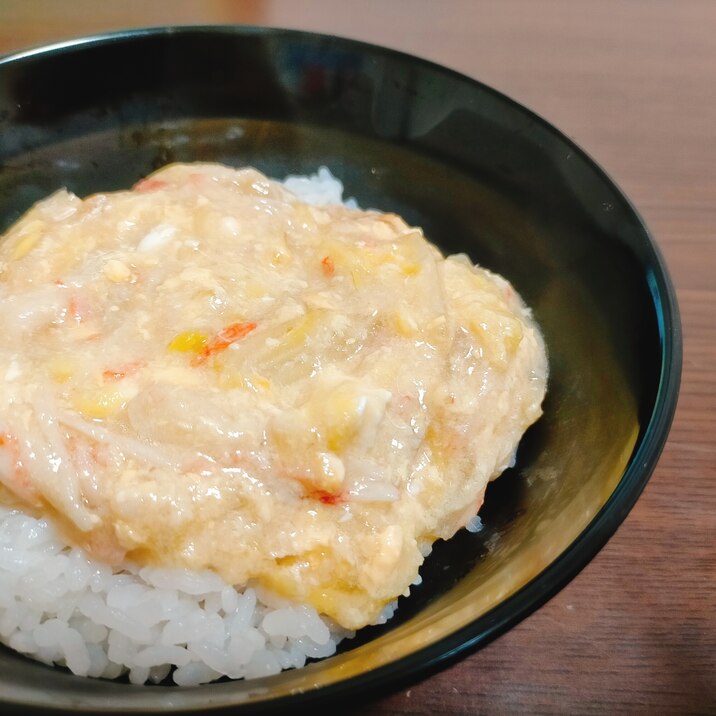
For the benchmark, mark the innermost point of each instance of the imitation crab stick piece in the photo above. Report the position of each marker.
(150, 185)
(123, 371)
(325, 497)
(329, 268)
(79, 307)
(222, 340)
(17, 478)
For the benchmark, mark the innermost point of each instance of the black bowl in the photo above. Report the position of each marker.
(481, 174)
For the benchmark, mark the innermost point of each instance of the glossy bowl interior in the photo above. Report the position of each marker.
(482, 175)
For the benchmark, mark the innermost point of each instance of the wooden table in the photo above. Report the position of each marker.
(635, 85)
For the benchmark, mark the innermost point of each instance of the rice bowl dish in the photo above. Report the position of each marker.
(236, 415)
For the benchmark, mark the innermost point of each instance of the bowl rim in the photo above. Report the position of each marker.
(645, 456)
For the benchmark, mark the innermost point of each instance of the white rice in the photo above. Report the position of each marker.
(320, 189)
(59, 607)
(474, 524)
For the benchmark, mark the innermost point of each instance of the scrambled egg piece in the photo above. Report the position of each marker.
(207, 372)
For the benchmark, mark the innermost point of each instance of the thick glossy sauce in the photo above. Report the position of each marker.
(207, 372)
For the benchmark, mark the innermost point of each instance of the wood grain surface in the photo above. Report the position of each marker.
(633, 83)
